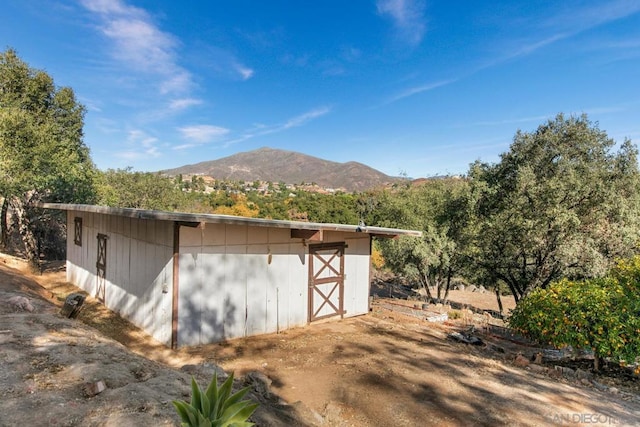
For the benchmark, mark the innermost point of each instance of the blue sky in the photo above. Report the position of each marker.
(406, 86)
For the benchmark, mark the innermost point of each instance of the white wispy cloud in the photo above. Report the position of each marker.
(183, 103)
(107, 6)
(197, 135)
(245, 72)
(407, 17)
(304, 118)
(140, 146)
(618, 44)
(563, 25)
(605, 110)
(300, 120)
(529, 48)
(141, 138)
(140, 44)
(261, 129)
(224, 63)
(515, 120)
(569, 22)
(576, 19)
(419, 89)
(543, 118)
(202, 134)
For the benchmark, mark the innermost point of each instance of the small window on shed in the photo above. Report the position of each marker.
(77, 231)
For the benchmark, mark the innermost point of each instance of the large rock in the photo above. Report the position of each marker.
(521, 361)
(20, 303)
(93, 388)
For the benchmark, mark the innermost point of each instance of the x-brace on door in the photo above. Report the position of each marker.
(326, 280)
(101, 267)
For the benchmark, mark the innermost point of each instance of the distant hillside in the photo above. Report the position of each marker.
(268, 164)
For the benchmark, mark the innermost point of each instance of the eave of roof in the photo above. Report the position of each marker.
(229, 219)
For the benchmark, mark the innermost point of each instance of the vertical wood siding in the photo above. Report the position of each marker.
(139, 268)
(234, 280)
(238, 281)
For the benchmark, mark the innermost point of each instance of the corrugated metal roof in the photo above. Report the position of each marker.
(228, 219)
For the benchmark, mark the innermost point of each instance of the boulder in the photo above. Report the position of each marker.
(582, 374)
(521, 361)
(565, 372)
(260, 383)
(20, 303)
(93, 388)
(538, 369)
(465, 338)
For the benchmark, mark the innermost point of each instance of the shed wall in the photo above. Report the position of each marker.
(234, 280)
(238, 281)
(139, 267)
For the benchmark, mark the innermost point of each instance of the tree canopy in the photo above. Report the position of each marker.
(41, 137)
(440, 209)
(124, 188)
(42, 153)
(560, 203)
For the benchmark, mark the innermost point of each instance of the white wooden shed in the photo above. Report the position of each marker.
(190, 279)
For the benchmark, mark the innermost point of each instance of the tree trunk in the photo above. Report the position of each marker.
(4, 224)
(596, 363)
(429, 297)
(424, 281)
(25, 216)
(513, 286)
(499, 301)
(448, 286)
(425, 285)
(514, 291)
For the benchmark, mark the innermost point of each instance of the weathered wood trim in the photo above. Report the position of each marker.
(176, 285)
(311, 235)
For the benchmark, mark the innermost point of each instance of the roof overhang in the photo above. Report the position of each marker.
(304, 230)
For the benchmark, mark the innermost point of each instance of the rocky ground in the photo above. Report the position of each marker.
(390, 367)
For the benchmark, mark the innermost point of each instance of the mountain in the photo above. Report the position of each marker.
(290, 167)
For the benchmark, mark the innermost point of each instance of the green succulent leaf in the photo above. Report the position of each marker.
(195, 395)
(238, 413)
(212, 394)
(216, 407)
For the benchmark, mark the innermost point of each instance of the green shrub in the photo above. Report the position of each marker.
(454, 314)
(216, 407)
(602, 315)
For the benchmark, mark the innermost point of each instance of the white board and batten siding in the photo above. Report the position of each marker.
(139, 268)
(241, 280)
(237, 276)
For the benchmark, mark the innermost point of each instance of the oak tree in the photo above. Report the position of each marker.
(439, 208)
(42, 153)
(559, 203)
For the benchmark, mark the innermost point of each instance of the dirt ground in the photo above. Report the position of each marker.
(390, 367)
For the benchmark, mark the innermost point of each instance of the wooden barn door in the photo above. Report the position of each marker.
(101, 267)
(326, 280)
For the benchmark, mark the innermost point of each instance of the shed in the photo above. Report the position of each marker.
(189, 279)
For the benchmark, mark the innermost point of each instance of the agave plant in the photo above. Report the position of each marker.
(216, 407)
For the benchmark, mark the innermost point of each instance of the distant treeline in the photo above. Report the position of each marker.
(146, 190)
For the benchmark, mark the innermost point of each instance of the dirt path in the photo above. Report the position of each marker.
(381, 369)
(374, 371)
